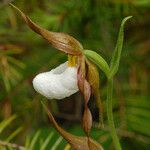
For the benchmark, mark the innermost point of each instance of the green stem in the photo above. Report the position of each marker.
(110, 115)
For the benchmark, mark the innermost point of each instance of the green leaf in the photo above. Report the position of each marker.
(3, 148)
(56, 144)
(6, 122)
(27, 142)
(43, 147)
(117, 52)
(15, 133)
(98, 60)
(16, 62)
(34, 140)
(5, 80)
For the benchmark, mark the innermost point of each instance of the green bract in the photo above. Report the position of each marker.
(98, 60)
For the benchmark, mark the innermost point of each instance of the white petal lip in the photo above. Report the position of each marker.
(58, 83)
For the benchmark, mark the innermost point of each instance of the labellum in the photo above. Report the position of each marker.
(58, 83)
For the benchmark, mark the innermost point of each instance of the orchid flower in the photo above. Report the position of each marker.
(78, 73)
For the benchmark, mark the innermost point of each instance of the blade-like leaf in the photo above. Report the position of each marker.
(61, 41)
(117, 52)
(27, 142)
(34, 140)
(6, 122)
(15, 133)
(16, 62)
(56, 144)
(43, 147)
(9, 49)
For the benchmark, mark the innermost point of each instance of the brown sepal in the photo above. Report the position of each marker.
(61, 41)
(78, 143)
(93, 79)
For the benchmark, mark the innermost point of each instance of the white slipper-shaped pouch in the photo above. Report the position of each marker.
(58, 83)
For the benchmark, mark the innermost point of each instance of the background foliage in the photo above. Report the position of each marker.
(95, 23)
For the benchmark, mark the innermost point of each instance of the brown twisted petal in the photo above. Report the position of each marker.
(85, 89)
(81, 73)
(78, 143)
(87, 116)
(87, 120)
(61, 41)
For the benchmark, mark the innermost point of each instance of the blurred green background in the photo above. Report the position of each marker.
(95, 23)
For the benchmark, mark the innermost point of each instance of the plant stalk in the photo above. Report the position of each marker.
(110, 115)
